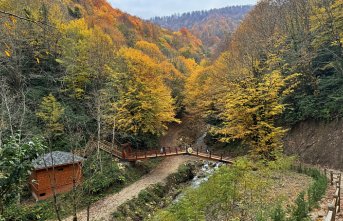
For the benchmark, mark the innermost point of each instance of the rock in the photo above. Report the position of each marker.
(321, 213)
(201, 174)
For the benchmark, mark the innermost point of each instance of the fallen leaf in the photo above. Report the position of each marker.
(7, 53)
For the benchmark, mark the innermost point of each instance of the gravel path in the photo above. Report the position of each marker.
(103, 209)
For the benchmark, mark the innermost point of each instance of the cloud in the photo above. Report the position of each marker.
(150, 8)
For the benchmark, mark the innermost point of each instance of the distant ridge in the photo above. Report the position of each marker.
(211, 26)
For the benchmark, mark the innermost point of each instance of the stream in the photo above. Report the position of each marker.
(205, 172)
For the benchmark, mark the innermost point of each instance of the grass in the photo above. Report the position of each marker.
(249, 190)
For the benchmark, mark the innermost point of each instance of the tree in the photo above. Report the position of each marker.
(251, 108)
(151, 50)
(50, 112)
(15, 166)
(143, 104)
(76, 57)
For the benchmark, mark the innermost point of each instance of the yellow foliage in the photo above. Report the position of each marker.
(144, 103)
(150, 49)
(86, 54)
(50, 112)
(251, 108)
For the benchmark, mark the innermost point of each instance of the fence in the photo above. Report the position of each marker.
(334, 206)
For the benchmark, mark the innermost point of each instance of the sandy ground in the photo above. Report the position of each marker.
(103, 209)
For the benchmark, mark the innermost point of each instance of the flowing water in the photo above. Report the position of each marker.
(206, 171)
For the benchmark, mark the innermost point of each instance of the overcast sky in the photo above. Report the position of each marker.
(150, 8)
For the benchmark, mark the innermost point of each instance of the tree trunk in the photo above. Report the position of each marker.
(99, 133)
(74, 188)
(88, 210)
(113, 132)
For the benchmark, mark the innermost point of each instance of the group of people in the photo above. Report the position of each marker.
(163, 149)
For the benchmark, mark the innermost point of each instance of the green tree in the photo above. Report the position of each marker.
(15, 166)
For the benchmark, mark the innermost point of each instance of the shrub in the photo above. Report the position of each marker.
(301, 208)
(154, 197)
(38, 212)
(317, 189)
(278, 214)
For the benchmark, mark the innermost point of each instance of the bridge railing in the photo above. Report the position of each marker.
(159, 152)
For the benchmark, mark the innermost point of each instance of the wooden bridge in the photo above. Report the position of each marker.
(126, 153)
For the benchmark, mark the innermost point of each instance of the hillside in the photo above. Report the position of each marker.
(54, 63)
(317, 143)
(212, 26)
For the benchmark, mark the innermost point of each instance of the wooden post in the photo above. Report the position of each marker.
(325, 171)
(331, 177)
(333, 210)
(338, 195)
(176, 150)
(156, 152)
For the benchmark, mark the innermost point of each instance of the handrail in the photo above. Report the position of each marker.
(334, 207)
(154, 153)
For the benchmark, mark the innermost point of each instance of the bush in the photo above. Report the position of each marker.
(278, 214)
(154, 197)
(301, 208)
(317, 189)
(185, 173)
(38, 212)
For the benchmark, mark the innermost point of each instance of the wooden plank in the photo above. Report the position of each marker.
(329, 216)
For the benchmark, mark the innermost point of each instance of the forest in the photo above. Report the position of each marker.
(73, 71)
(213, 27)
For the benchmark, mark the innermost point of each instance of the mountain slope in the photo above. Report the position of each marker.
(210, 26)
(87, 47)
(126, 29)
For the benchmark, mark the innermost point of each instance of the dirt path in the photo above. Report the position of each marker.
(103, 209)
(188, 132)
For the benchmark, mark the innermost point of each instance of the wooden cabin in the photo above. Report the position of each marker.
(59, 169)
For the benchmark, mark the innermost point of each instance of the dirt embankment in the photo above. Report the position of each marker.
(317, 143)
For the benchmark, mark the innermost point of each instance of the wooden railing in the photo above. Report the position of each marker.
(334, 206)
(168, 151)
(174, 151)
(134, 155)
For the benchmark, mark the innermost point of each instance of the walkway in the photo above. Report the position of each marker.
(134, 155)
(103, 209)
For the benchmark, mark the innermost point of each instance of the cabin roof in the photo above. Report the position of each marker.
(55, 158)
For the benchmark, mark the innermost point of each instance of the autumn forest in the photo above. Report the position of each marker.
(231, 82)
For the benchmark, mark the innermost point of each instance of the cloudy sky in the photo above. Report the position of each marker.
(150, 8)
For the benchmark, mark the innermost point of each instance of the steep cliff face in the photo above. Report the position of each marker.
(317, 143)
